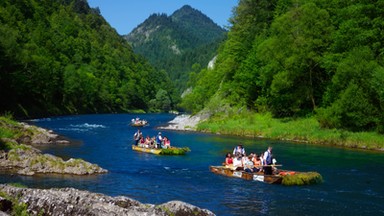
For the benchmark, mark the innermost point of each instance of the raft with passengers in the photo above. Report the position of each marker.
(139, 122)
(262, 168)
(156, 145)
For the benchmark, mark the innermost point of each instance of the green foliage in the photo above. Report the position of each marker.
(17, 184)
(194, 102)
(246, 123)
(175, 151)
(355, 101)
(7, 130)
(18, 208)
(306, 178)
(161, 102)
(352, 111)
(296, 58)
(7, 146)
(60, 57)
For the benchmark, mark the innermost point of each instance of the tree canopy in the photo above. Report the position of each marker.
(61, 56)
(297, 58)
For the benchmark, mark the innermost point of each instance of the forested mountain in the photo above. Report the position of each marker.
(299, 58)
(177, 42)
(61, 56)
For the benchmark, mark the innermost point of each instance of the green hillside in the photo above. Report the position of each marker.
(293, 59)
(177, 42)
(62, 57)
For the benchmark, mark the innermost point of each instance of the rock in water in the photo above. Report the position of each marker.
(28, 160)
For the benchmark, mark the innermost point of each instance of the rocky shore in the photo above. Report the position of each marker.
(70, 201)
(185, 122)
(18, 154)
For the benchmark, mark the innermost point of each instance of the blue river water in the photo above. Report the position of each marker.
(353, 179)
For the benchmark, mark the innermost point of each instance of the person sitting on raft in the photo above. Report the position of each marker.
(166, 142)
(148, 141)
(238, 162)
(142, 142)
(153, 142)
(249, 165)
(228, 160)
(256, 161)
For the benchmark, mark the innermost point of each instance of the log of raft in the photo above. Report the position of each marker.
(139, 124)
(146, 150)
(283, 177)
(168, 151)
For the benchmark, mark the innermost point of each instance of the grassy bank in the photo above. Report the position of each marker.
(6, 127)
(299, 130)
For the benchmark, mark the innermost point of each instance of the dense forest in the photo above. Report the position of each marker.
(62, 57)
(177, 42)
(290, 58)
(300, 58)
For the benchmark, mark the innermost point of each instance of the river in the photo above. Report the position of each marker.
(353, 179)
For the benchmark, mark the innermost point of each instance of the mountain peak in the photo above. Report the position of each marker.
(186, 9)
(186, 21)
(187, 13)
(174, 43)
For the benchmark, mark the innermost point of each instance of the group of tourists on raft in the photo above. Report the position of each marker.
(138, 121)
(239, 160)
(155, 142)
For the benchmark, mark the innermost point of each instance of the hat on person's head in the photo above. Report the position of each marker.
(159, 132)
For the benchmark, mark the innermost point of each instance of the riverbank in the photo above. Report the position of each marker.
(304, 130)
(184, 122)
(18, 152)
(70, 201)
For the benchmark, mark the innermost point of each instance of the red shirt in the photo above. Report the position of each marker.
(230, 161)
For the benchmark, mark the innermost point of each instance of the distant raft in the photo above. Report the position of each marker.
(283, 177)
(141, 123)
(168, 151)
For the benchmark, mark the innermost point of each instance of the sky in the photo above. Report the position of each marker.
(125, 15)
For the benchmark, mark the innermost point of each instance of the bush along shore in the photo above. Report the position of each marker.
(18, 154)
(301, 130)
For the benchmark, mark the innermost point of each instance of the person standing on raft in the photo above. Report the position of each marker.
(268, 161)
(137, 136)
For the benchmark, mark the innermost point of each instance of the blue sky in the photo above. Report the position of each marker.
(125, 15)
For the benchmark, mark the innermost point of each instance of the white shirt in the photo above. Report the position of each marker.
(237, 162)
(266, 154)
(237, 149)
